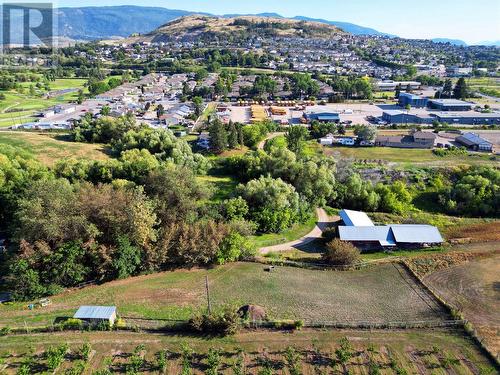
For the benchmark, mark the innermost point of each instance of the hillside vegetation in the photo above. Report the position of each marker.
(236, 28)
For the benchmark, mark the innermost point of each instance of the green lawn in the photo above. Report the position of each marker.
(378, 293)
(222, 186)
(294, 233)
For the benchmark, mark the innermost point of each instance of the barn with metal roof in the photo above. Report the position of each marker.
(360, 231)
(96, 314)
(474, 142)
(355, 218)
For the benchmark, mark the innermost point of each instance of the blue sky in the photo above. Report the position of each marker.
(470, 20)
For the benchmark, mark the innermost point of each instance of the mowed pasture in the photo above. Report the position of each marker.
(49, 148)
(437, 352)
(474, 289)
(383, 293)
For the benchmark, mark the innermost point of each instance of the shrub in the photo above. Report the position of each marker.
(289, 324)
(72, 324)
(224, 322)
(4, 331)
(341, 253)
(84, 351)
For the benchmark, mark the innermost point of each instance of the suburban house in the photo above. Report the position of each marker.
(358, 229)
(474, 142)
(416, 139)
(96, 314)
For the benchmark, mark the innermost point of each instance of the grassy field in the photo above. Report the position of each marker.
(48, 148)
(486, 85)
(222, 186)
(437, 352)
(406, 156)
(473, 288)
(379, 293)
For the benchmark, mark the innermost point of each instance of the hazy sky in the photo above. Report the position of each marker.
(470, 20)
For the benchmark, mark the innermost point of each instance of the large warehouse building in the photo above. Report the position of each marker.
(450, 105)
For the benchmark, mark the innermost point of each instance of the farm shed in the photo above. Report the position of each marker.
(474, 142)
(368, 237)
(96, 314)
(361, 232)
(355, 218)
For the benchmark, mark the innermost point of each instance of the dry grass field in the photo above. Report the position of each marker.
(474, 289)
(375, 294)
(48, 148)
(437, 352)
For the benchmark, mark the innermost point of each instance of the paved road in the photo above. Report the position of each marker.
(323, 221)
(262, 143)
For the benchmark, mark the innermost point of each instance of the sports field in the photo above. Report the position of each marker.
(19, 108)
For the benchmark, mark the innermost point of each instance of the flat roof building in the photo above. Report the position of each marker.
(413, 140)
(469, 118)
(391, 85)
(322, 117)
(449, 105)
(413, 100)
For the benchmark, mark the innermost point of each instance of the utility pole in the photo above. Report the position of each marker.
(208, 295)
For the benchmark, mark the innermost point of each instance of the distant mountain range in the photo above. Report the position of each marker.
(91, 23)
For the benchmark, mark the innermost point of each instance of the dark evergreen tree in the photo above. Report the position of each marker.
(460, 90)
(218, 136)
(232, 136)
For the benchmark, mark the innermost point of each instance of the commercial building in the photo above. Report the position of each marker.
(391, 85)
(449, 105)
(96, 314)
(397, 116)
(413, 100)
(474, 142)
(322, 117)
(412, 140)
(469, 118)
(361, 232)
